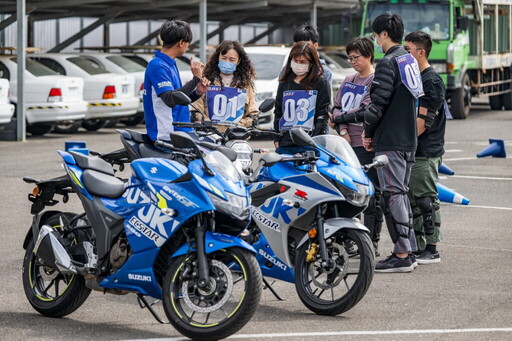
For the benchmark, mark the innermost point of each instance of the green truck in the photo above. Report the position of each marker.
(472, 45)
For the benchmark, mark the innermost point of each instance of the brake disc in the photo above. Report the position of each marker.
(210, 295)
(338, 258)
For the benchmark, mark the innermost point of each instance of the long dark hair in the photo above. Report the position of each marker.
(244, 74)
(306, 49)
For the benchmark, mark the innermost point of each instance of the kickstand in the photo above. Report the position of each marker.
(269, 287)
(143, 303)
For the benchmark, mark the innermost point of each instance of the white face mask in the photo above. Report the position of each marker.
(299, 69)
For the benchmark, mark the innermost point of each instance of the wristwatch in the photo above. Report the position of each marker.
(343, 132)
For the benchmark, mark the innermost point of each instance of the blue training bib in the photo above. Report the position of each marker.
(226, 106)
(298, 109)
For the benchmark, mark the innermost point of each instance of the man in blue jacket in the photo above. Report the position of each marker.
(162, 78)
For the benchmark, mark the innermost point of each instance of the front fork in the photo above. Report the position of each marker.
(201, 253)
(321, 240)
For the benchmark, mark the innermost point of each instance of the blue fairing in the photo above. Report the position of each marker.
(270, 265)
(216, 241)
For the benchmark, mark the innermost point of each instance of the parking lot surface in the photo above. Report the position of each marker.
(468, 296)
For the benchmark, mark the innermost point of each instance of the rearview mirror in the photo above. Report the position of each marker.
(180, 98)
(267, 105)
(301, 138)
(378, 161)
(270, 159)
(180, 139)
(462, 23)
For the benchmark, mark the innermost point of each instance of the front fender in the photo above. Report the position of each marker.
(215, 241)
(333, 225)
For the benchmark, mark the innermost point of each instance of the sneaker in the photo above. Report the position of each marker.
(395, 264)
(413, 260)
(428, 257)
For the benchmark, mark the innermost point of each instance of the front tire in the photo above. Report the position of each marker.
(93, 125)
(343, 284)
(49, 292)
(222, 308)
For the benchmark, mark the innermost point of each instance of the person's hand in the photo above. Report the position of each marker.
(367, 143)
(347, 137)
(332, 124)
(202, 87)
(276, 144)
(196, 67)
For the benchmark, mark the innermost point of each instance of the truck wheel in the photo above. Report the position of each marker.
(461, 99)
(496, 102)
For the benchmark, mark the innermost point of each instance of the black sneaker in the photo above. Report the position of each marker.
(428, 257)
(413, 260)
(395, 264)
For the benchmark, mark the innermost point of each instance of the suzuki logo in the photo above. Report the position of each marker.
(153, 170)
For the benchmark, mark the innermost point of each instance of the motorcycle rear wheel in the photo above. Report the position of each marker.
(342, 285)
(49, 292)
(222, 308)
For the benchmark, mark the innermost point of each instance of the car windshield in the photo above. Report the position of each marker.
(267, 66)
(89, 66)
(126, 64)
(36, 68)
(339, 146)
(432, 18)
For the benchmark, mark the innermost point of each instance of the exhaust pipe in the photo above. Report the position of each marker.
(50, 248)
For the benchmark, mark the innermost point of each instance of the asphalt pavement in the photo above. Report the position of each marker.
(468, 296)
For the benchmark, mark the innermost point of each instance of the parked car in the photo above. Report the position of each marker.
(6, 108)
(117, 63)
(340, 68)
(182, 62)
(268, 62)
(110, 95)
(50, 98)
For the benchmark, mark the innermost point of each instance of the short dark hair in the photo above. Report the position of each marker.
(173, 31)
(362, 45)
(421, 40)
(392, 24)
(306, 32)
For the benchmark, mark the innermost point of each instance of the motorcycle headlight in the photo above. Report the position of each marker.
(244, 153)
(357, 198)
(235, 206)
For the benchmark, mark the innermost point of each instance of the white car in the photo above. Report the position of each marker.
(6, 108)
(268, 62)
(50, 98)
(340, 68)
(117, 63)
(110, 95)
(182, 62)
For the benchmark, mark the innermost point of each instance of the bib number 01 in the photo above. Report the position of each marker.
(226, 106)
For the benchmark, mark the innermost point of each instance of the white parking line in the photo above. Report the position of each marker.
(476, 247)
(480, 177)
(356, 332)
(460, 159)
(486, 207)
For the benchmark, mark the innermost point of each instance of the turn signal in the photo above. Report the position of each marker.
(109, 92)
(35, 191)
(450, 68)
(312, 233)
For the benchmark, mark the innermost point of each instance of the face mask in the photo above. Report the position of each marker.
(227, 68)
(377, 47)
(299, 69)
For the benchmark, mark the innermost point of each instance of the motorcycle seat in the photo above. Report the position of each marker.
(150, 151)
(139, 137)
(93, 163)
(103, 185)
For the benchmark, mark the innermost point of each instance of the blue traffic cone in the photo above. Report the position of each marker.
(76, 146)
(496, 148)
(445, 169)
(448, 195)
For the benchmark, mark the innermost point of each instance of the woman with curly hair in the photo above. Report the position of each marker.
(229, 66)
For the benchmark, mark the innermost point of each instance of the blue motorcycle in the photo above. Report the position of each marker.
(305, 227)
(168, 232)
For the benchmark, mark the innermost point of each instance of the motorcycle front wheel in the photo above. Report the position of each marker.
(221, 308)
(339, 286)
(49, 292)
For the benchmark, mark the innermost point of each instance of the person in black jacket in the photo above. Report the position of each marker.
(431, 123)
(307, 97)
(390, 129)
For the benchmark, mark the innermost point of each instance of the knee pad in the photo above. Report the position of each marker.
(391, 222)
(426, 206)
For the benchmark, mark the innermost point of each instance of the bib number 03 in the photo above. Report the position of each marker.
(298, 109)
